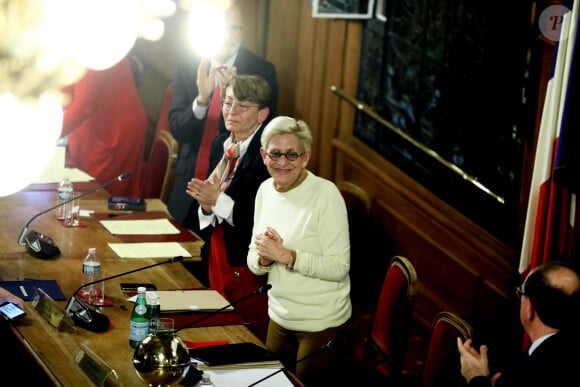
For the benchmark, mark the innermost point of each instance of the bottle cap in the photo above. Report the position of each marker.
(92, 249)
(141, 289)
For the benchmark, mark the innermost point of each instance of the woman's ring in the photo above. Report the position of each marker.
(197, 194)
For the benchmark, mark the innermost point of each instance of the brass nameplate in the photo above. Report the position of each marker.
(96, 368)
(51, 311)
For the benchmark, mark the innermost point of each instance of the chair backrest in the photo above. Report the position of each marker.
(441, 365)
(159, 168)
(163, 119)
(364, 287)
(354, 196)
(391, 323)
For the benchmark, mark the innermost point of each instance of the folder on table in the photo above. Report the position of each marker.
(197, 300)
(26, 289)
(233, 356)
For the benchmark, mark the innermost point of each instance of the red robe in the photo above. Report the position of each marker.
(106, 125)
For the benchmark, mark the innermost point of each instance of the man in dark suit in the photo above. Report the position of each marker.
(194, 84)
(549, 310)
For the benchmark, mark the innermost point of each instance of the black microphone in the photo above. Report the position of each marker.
(87, 316)
(260, 290)
(42, 246)
(325, 347)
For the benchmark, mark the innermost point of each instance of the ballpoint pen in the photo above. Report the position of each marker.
(113, 215)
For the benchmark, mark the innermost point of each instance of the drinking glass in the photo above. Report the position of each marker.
(72, 212)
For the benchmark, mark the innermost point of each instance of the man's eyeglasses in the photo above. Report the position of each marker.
(290, 156)
(237, 106)
(520, 292)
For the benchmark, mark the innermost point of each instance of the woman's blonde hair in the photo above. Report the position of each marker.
(288, 125)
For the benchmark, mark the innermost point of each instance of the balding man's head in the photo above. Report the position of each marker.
(554, 292)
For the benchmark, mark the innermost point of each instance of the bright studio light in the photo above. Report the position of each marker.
(206, 27)
(39, 123)
(46, 45)
(97, 34)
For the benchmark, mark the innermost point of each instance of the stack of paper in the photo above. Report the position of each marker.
(260, 377)
(149, 235)
(149, 250)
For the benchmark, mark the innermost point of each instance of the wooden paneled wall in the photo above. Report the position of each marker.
(460, 266)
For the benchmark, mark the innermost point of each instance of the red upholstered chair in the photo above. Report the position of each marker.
(390, 329)
(355, 197)
(159, 168)
(441, 365)
(365, 239)
(386, 344)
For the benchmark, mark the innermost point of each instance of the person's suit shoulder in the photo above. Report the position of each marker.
(553, 361)
(187, 63)
(248, 61)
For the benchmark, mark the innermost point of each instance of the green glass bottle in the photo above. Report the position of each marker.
(139, 326)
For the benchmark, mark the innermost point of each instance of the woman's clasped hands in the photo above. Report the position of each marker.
(204, 192)
(269, 246)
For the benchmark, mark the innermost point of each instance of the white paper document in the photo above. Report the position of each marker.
(140, 227)
(247, 377)
(149, 250)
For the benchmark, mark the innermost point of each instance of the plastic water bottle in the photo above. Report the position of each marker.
(64, 192)
(139, 326)
(91, 270)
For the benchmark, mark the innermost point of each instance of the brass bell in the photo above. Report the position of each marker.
(161, 359)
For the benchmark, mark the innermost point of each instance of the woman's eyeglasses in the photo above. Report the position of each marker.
(237, 106)
(290, 156)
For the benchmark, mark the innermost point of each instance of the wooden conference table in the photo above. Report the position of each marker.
(54, 350)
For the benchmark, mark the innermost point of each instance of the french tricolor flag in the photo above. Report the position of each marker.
(551, 206)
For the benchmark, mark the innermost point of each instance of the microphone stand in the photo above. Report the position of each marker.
(86, 315)
(260, 290)
(323, 348)
(35, 241)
